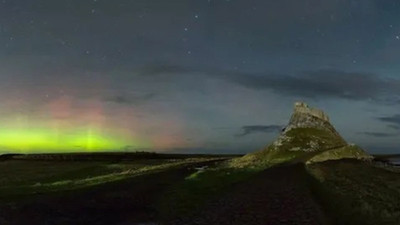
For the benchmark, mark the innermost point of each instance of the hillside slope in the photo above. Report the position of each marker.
(307, 135)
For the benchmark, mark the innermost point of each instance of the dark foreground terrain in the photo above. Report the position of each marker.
(178, 191)
(278, 195)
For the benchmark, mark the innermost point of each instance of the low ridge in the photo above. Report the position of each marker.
(309, 137)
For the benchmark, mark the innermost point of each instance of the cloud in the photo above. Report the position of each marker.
(379, 134)
(248, 130)
(325, 84)
(393, 120)
(123, 99)
(317, 84)
(394, 127)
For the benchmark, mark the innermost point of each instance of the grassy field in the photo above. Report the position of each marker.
(25, 177)
(90, 192)
(356, 192)
(350, 191)
(188, 196)
(64, 190)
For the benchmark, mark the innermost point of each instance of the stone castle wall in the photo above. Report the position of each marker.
(302, 107)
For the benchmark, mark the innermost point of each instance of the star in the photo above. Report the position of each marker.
(186, 29)
(196, 16)
(398, 37)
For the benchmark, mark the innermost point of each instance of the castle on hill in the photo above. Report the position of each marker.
(301, 107)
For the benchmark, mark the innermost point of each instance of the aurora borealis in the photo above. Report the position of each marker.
(35, 140)
(63, 132)
(59, 125)
(206, 76)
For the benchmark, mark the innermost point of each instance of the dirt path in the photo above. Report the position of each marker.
(276, 196)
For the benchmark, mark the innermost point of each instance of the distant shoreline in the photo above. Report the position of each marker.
(106, 156)
(393, 159)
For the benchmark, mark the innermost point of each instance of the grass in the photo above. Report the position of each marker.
(348, 151)
(30, 177)
(356, 192)
(15, 172)
(350, 191)
(304, 137)
(298, 143)
(188, 196)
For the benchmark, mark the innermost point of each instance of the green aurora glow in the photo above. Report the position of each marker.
(45, 140)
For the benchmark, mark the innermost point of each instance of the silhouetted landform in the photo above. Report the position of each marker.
(309, 137)
(386, 156)
(357, 192)
(388, 159)
(38, 192)
(279, 195)
(7, 156)
(107, 156)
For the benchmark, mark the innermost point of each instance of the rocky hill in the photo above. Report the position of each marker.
(309, 137)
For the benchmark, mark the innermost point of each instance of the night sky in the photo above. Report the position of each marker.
(216, 76)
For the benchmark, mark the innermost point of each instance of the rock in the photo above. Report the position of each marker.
(309, 137)
(305, 117)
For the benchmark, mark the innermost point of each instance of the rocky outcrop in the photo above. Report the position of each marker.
(309, 130)
(301, 107)
(307, 136)
(305, 117)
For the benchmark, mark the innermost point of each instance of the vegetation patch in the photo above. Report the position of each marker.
(297, 145)
(71, 176)
(188, 196)
(346, 152)
(356, 192)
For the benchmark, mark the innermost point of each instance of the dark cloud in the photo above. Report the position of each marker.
(395, 119)
(316, 84)
(247, 130)
(394, 126)
(124, 99)
(379, 134)
(326, 84)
